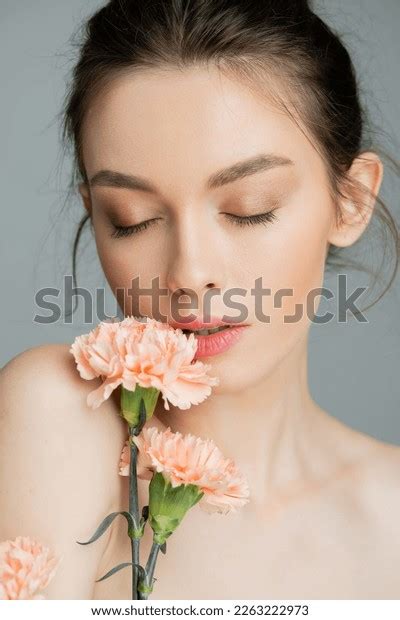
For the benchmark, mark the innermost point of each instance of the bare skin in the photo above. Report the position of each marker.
(327, 537)
(333, 535)
(325, 503)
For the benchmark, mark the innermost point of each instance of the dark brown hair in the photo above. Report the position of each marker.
(250, 40)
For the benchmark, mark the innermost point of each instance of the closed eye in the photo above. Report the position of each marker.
(251, 220)
(239, 220)
(126, 231)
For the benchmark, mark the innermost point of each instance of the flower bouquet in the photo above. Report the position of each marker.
(149, 358)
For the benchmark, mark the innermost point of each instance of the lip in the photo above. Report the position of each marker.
(197, 323)
(214, 344)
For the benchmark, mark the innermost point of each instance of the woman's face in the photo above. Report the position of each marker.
(178, 131)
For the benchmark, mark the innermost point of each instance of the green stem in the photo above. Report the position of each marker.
(134, 509)
(150, 566)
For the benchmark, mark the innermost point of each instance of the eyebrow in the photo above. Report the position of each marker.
(239, 170)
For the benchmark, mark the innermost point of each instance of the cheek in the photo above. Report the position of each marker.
(294, 264)
(296, 270)
(298, 274)
(125, 265)
(289, 257)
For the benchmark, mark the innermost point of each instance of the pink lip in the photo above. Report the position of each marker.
(197, 323)
(219, 342)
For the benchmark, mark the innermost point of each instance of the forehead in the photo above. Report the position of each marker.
(170, 124)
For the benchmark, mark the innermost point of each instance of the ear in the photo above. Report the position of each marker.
(85, 194)
(356, 210)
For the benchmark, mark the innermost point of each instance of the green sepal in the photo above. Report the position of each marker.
(163, 527)
(131, 401)
(105, 524)
(168, 505)
(142, 572)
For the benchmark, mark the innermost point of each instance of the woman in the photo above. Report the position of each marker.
(219, 145)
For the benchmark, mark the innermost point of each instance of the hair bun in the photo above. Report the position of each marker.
(301, 5)
(296, 7)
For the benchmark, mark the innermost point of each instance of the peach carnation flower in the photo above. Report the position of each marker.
(151, 354)
(186, 459)
(26, 567)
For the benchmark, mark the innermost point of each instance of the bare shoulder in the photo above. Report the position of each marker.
(43, 364)
(368, 488)
(47, 378)
(381, 476)
(359, 513)
(376, 489)
(58, 462)
(42, 391)
(52, 364)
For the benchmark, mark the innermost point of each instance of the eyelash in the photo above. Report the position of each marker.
(251, 220)
(239, 220)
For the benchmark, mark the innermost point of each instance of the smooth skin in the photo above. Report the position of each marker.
(325, 502)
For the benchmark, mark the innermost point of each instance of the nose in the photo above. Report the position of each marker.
(196, 265)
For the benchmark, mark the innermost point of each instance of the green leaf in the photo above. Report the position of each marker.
(142, 572)
(114, 570)
(105, 524)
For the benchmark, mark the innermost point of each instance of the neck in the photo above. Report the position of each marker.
(269, 429)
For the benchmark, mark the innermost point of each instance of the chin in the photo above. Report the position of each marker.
(235, 375)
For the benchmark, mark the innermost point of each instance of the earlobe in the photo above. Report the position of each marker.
(365, 177)
(85, 194)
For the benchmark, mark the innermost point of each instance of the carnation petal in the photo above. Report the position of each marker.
(187, 459)
(98, 396)
(26, 568)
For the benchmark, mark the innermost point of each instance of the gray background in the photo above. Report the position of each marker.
(354, 367)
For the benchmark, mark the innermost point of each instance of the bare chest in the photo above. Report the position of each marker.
(313, 551)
